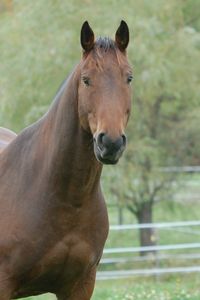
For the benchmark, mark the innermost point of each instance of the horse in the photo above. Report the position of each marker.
(53, 216)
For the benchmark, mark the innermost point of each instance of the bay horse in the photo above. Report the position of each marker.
(53, 218)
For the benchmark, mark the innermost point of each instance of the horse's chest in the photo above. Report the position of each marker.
(71, 248)
(72, 255)
(69, 259)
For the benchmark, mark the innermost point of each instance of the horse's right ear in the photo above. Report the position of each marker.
(87, 37)
(122, 36)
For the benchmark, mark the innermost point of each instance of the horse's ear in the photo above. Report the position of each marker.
(87, 37)
(122, 36)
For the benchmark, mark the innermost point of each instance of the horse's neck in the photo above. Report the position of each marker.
(71, 162)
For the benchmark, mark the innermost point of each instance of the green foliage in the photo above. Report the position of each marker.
(166, 95)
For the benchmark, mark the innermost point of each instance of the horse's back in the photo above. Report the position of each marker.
(6, 136)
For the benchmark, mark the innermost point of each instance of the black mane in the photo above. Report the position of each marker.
(105, 43)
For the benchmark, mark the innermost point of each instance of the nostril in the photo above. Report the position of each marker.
(124, 139)
(100, 139)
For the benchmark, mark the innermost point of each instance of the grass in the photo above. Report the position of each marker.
(147, 289)
(175, 288)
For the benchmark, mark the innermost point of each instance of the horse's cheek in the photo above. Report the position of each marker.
(83, 119)
(92, 122)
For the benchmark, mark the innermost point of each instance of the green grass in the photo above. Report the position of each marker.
(175, 288)
(132, 290)
(147, 289)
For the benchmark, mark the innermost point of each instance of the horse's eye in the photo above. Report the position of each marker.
(129, 79)
(86, 80)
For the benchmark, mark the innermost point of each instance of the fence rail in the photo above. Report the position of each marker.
(151, 248)
(160, 257)
(183, 169)
(155, 225)
(114, 274)
(105, 275)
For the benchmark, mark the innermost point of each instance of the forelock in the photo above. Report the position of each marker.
(105, 43)
(104, 46)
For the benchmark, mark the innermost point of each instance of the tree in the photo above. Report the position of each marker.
(163, 130)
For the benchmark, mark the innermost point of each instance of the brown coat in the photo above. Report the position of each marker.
(53, 218)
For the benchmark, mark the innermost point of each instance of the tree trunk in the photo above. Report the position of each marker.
(147, 235)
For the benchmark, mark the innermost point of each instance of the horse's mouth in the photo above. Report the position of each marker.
(106, 161)
(110, 159)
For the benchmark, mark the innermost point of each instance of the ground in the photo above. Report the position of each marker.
(173, 288)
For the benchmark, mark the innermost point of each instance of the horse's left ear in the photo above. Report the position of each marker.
(122, 36)
(87, 37)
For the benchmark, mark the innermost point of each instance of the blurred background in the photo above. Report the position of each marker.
(153, 194)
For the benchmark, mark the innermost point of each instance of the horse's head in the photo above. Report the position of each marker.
(104, 93)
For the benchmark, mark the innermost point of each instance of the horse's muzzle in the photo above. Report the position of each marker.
(108, 150)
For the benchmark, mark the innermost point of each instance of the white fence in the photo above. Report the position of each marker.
(105, 275)
(158, 257)
(183, 169)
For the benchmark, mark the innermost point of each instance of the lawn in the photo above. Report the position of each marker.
(173, 288)
(135, 289)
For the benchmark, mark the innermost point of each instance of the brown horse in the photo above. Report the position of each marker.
(53, 218)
